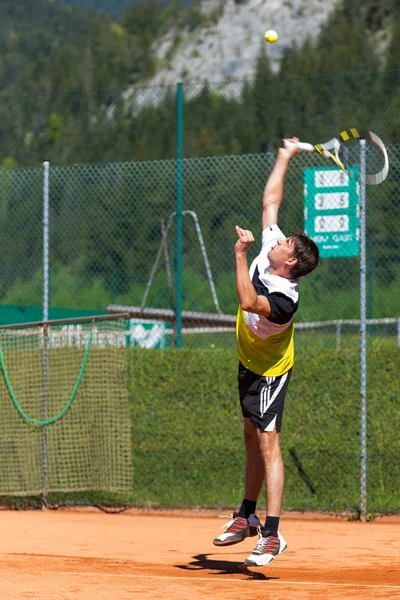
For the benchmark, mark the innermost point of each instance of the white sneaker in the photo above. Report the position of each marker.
(266, 549)
(237, 529)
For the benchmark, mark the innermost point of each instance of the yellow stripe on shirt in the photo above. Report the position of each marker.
(272, 356)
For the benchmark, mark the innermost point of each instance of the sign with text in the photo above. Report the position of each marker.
(331, 210)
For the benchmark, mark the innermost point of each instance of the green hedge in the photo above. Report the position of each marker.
(187, 430)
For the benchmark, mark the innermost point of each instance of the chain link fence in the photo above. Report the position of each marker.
(157, 234)
(113, 239)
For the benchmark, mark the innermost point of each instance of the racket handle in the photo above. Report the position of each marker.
(303, 146)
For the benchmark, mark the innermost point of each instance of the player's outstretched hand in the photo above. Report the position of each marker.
(245, 239)
(290, 149)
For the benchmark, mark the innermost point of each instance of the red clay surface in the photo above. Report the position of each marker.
(90, 555)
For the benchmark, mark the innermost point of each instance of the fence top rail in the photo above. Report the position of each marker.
(198, 318)
(313, 324)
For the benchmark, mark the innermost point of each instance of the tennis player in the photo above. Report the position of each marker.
(268, 300)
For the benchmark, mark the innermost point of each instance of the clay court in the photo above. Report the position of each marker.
(72, 554)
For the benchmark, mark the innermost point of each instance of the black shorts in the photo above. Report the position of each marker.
(262, 398)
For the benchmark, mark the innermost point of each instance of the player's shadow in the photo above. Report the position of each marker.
(202, 562)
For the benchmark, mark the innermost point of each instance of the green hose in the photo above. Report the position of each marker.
(66, 407)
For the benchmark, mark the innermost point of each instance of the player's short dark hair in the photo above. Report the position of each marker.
(307, 254)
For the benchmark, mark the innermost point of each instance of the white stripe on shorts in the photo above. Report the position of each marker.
(266, 399)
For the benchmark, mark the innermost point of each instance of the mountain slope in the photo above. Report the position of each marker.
(230, 43)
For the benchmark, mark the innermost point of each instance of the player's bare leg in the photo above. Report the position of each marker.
(255, 469)
(274, 471)
(270, 542)
(245, 524)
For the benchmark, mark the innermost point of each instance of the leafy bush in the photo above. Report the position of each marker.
(187, 430)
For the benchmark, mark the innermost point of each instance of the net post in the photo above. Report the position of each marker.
(205, 258)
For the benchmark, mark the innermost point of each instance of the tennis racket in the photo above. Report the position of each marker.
(344, 151)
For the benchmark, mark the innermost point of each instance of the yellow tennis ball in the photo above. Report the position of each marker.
(271, 36)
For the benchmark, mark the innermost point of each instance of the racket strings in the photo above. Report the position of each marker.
(373, 162)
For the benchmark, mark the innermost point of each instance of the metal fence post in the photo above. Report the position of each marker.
(46, 172)
(179, 214)
(363, 337)
(45, 482)
(398, 332)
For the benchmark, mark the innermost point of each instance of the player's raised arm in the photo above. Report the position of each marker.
(273, 191)
(248, 298)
